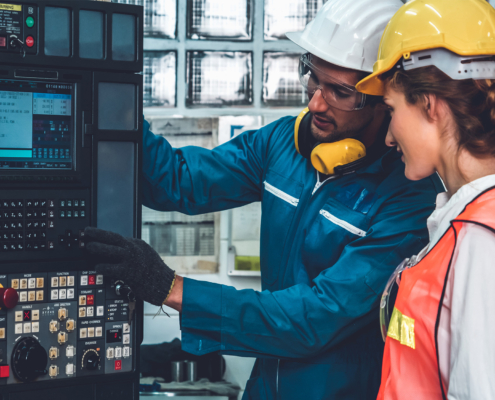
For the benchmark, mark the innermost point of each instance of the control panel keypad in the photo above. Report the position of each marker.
(69, 323)
(25, 224)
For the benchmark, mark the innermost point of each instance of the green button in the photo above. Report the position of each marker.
(30, 22)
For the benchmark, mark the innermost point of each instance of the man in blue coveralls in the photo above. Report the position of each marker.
(331, 234)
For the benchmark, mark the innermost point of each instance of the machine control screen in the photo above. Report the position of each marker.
(36, 125)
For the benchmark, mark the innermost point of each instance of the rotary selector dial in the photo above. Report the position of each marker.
(91, 360)
(29, 360)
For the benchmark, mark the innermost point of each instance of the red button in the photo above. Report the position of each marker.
(90, 300)
(118, 365)
(4, 371)
(30, 41)
(91, 279)
(8, 297)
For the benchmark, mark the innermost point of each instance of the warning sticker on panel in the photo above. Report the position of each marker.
(10, 7)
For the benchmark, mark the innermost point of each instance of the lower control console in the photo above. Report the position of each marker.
(59, 325)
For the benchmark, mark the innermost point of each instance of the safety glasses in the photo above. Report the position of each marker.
(385, 303)
(336, 93)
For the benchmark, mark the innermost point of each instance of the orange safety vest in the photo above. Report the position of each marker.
(410, 363)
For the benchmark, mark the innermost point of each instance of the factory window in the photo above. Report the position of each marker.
(222, 57)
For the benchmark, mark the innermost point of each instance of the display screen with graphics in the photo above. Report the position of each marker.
(36, 125)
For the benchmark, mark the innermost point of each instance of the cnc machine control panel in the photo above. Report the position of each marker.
(70, 157)
(66, 324)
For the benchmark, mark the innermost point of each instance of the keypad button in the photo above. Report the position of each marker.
(51, 203)
(69, 213)
(69, 203)
(82, 213)
(36, 203)
(83, 203)
(62, 203)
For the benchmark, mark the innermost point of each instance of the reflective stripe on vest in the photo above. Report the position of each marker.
(410, 363)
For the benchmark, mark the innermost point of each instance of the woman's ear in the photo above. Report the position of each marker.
(435, 108)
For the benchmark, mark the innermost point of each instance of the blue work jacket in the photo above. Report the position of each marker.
(327, 250)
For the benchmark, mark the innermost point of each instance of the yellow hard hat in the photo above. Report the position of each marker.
(465, 27)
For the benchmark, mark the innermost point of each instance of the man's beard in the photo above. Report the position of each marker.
(337, 134)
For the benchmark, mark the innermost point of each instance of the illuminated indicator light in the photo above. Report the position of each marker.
(90, 300)
(92, 280)
(29, 41)
(3, 41)
(29, 22)
(118, 365)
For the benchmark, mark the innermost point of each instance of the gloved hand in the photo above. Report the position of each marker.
(133, 261)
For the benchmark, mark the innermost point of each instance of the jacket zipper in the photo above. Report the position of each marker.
(320, 184)
(346, 225)
(281, 195)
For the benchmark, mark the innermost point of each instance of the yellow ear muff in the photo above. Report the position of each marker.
(327, 156)
(297, 126)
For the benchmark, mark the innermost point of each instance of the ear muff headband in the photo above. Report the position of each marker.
(299, 118)
(328, 158)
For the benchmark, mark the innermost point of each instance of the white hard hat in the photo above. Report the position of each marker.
(347, 33)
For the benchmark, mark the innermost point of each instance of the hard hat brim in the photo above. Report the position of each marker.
(296, 37)
(372, 84)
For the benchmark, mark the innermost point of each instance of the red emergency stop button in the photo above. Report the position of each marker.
(30, 41)
(8, 298)
(4, 371)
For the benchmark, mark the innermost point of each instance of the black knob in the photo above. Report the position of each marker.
(121, 289)
(91, 359)
(29, 360)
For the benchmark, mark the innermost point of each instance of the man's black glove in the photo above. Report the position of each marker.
(133, 261)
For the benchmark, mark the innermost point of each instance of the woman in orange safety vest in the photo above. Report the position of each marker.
(436, 70)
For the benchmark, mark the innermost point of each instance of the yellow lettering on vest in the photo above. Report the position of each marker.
(401, 328)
